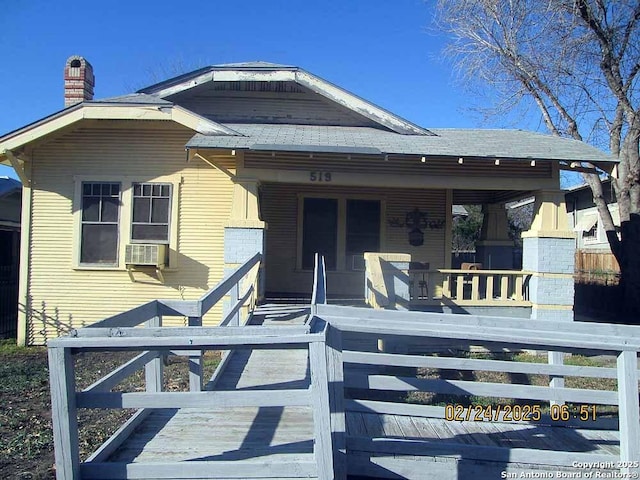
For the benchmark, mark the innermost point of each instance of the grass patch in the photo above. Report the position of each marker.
(26, 437)
(588, 383)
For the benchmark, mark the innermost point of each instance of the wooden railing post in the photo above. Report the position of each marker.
(153, 370)
(335, 375)
(234, 295)
(195, 361)
(556, 358)
(320, 405)
(628, 411)
(63, 413)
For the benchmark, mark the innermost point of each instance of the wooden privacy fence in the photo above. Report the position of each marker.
(366, 370)
(596, 267)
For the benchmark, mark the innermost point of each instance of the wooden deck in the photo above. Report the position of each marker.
(251, 435)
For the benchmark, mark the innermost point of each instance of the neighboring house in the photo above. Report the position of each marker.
(10, 201)
(193, 175)
(584, 218)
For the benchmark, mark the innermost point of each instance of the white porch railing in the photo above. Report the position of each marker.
(469, 287)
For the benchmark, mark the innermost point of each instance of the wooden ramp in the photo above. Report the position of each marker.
(442, 449)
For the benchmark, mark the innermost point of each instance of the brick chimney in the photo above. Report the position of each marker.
(78, 81)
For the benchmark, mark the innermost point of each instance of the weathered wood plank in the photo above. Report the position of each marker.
(130, 318)
(335, 377)
(157, 332)
(476, 452)
(556, 381)
(232, 317)
(199, 470)
(487, 389)
(116, 376)
(189, 342)
(629, 411)
(64, 414)
(527, 337)
(216, 294)
(179, 308)
(477, 364)
(154, 369)
(323, 448)
(244, 398)
(422, 318)
(119, 437)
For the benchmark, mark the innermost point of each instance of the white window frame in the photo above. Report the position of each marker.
(126, 217)
(341, 261)
(83, 222)
(171, 202)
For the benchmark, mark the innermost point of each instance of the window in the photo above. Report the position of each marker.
(591, 235)
(363, 230)
(341, 230)
(151, 211)
(100, 216)
(320, 231)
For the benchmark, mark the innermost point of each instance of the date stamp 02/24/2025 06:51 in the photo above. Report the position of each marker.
(533, 413)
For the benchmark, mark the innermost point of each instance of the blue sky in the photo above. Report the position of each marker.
(386, 52)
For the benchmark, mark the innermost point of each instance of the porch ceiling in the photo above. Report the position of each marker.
(476, 197)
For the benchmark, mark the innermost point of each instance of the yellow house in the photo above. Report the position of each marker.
(158, 193)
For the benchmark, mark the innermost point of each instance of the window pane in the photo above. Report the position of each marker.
(320, 231)
(99, 244)
(150, 232)
(110, 209)
(160, 210)
(115, 190)
(146, 190)
(137, 189)
(86, 189)
(156, 190)
(141, 208)
(91, 209)
(166, 190)
(363, 226)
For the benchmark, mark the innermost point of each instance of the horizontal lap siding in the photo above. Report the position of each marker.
(280, 211)
(63, 298)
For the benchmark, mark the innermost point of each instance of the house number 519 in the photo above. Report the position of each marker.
(320, 176)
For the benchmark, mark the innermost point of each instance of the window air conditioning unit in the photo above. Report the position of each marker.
(142, 254)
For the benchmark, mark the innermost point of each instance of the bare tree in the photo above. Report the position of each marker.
(577, 61)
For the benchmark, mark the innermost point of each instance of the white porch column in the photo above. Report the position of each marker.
(548, 252)
(495, 249)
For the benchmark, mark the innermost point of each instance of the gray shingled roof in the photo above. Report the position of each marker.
(446, 142)
(134, 98)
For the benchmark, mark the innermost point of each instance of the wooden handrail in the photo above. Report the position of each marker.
(319, 294)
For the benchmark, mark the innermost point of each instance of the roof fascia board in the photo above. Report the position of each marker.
(39, 129)
(181, 86)
(90, 111)
(359, 105)
(254, 76)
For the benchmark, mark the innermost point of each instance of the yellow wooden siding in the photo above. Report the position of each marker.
(280, 211)
(63, 297)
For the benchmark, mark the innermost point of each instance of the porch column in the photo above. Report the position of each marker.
(548, 252)
(494, 249)
(244, 231)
